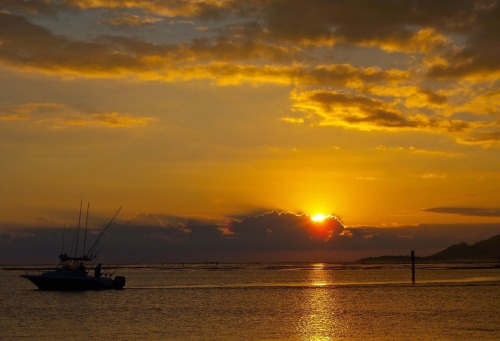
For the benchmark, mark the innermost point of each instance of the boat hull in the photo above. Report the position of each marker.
(73, 283)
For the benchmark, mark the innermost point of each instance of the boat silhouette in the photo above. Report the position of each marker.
(74, 273)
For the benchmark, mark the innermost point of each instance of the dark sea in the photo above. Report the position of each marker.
(262, 302)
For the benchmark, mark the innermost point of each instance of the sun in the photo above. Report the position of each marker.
(318, 218)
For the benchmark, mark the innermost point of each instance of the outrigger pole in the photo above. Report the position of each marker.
(78, 230)
(86, 226)
(62, 245)
(92, 248)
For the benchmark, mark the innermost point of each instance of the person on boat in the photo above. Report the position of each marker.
(97, 271)
(81, 268)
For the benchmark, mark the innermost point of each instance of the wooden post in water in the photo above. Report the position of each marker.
(413, 266)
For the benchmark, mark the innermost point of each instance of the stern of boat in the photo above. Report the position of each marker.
(118, 282)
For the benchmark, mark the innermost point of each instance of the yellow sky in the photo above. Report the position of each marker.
(381, 114)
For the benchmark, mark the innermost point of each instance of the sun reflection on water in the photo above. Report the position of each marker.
(321, 312)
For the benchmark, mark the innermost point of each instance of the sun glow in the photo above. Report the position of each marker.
(318, 218)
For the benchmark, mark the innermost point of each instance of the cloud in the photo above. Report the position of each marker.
(363, 113)
(33, 6)
(131, 20)
(346, 110)
(424, 98)
(360, 112)
(421, 28)
(206, 9)
(468, 211)
(233, 73)
(409, 27)
(345, 74)
(432, 152)
(392, 25)
(144, 219)
(31, 47)
(57, 115)
(277, 230)
(366, 178)
(432, 176)
(418, 151)
(271, 236)
(484, 103)
(484, 138)
(112, 120)
(478, 58)
(254, 42)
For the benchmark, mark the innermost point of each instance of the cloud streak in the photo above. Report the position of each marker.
(468, 211)
(55, 115)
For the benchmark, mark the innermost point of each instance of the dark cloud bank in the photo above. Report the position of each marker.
(268, 237)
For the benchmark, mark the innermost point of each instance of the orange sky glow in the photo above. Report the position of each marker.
(379, 114)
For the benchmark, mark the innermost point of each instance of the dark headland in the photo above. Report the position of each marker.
(487, 250)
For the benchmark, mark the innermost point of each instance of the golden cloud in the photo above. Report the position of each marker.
(486, 103)
(166, 8)
(268, 50)
(364, 113)
(418, 151)
(425, 98)
(55, 115)
(131, 20)
(331, 108)
(30, 111)
(12, 117)
(112, 120)
(422, 41)
(455, 36)
(484, 138)
(31, 47)
(351, 111)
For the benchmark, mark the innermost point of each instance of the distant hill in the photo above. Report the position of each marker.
(484, 251)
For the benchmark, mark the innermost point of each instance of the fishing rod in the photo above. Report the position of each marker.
(92, 248)
(112, 273)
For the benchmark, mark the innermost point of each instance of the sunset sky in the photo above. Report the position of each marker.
(381, 114)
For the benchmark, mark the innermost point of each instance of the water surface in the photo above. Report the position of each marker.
(261, 302)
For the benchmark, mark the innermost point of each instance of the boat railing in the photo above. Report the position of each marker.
(32, 272)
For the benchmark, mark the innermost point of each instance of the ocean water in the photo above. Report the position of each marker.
(261, 302)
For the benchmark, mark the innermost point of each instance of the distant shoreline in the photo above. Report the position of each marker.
(371, 263)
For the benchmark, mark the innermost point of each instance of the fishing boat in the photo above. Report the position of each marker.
(74, 273)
